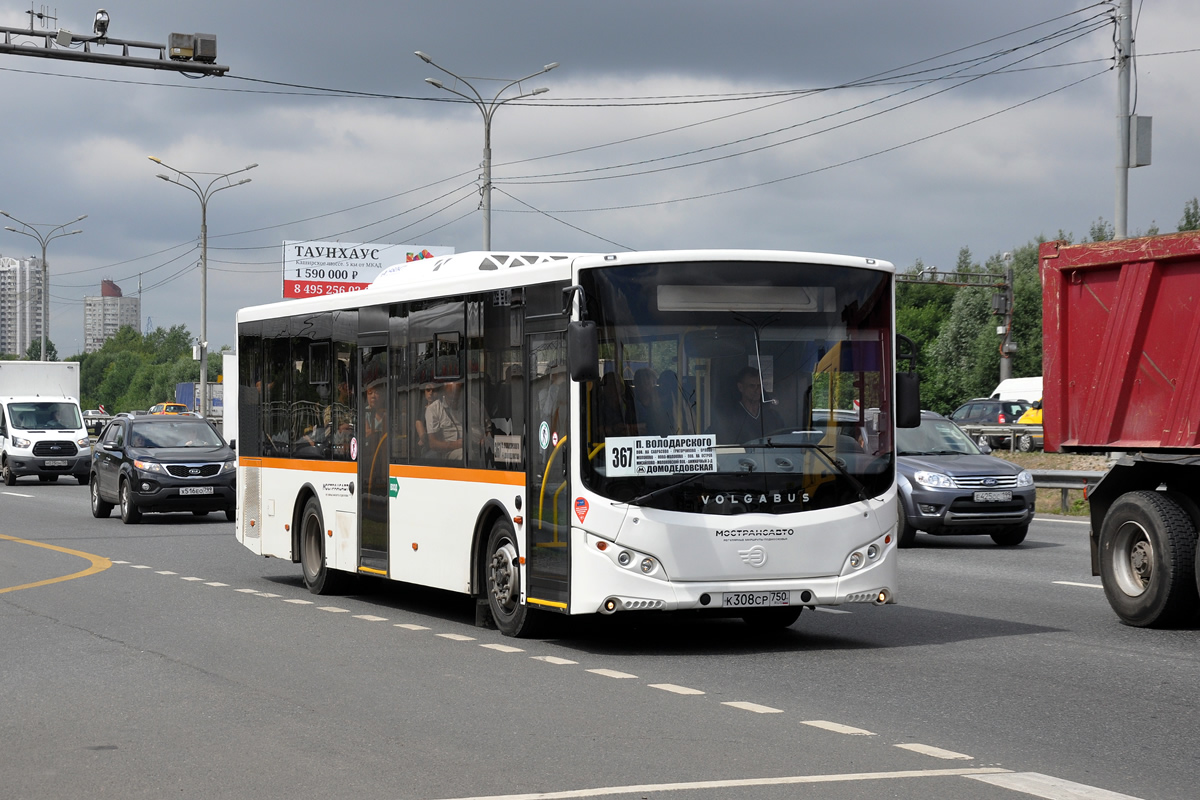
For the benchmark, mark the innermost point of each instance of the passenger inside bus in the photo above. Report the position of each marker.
(443, 423)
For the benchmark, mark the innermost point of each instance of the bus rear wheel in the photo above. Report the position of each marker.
(503, 583)
(318, 578)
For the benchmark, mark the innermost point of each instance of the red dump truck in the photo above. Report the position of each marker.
(1121, 366)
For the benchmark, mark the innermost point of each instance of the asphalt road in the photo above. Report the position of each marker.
(165, 660)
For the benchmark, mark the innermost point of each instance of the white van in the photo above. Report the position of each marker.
(1027, 389)
(43, 436)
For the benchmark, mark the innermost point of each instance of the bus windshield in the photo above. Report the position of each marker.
(736, 387)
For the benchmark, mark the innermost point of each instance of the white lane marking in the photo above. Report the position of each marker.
(828, 610)
(554, 660)
(139, 566)
(611, 673)
(267, 594)
(370, 618)
(670, 687)
(247, 591)
(113, 560)
(503, 648)
(1049, 787)
(18, 494)
(1084, 585)
(835, 727)
(755, 707)
(456, 637)
(300, 602)
(166, 572)
(936, 752)
(192, 579)
(410, 626)
(739, 782)
(1064, 521)
(334, 609)
(215, 583)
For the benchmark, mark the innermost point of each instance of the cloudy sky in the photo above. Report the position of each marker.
(900, 131)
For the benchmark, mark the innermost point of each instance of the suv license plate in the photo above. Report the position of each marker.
(756, 599)
(196, 490)
(992, 497)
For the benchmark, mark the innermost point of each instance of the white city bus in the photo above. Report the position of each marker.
(709, 431)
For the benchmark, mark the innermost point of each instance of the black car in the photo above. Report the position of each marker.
(161, 464)
(985, 411)
(949, 487)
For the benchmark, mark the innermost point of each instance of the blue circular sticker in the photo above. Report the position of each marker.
(544, 435)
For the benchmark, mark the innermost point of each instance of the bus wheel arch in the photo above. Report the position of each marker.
(318, 577)
(306, 493)
(502, 581)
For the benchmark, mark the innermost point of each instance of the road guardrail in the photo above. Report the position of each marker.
(1066, 480)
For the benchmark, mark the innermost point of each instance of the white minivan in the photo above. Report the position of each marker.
(43, 436)
(1027, 389)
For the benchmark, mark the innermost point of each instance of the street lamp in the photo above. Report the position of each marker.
(57, 232)
(203, 194)
(487, 108)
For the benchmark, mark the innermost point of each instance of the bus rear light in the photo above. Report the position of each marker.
(884, 596)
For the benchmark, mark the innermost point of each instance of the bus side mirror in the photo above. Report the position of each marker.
(908, 400)
(583, 351)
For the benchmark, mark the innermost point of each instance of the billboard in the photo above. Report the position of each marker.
(312, 269)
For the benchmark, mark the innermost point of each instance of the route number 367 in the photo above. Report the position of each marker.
(622, 457)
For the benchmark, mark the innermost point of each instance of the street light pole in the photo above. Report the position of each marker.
(57, 232)
(203, 193)
(488, 109)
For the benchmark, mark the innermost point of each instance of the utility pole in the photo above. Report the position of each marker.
(1124, 61)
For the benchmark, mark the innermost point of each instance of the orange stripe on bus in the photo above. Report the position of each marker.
(458, 474)
(305, 465)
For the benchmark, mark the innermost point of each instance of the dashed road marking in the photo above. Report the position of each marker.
(140, 566)
(410, 627)
(554, 660)
(166, 572)
(503, 648)
(1049, 787)
(611, 673)
(266, 594)
(936, 752)
(1084, 585)
(828, 610)
(297, 601)
(835, 727)
(215, 583)
(755, 707)
(18, 494)
(670, 687)
(456, 637)
(247, 591)
(370, 618)
(192, 579)
(334, 609)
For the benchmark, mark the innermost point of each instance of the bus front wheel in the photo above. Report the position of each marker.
(317, 576)
(503, 578)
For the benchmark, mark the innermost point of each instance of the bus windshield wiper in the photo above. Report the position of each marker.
(836, 463)
(637, 501)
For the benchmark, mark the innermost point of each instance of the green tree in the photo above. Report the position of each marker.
(1191, 216)
(34, 351)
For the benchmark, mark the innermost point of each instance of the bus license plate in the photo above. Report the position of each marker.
(55, 463)
(756, 599)
(196, 490)
(992, 497)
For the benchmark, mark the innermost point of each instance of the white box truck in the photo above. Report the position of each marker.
(41, 427)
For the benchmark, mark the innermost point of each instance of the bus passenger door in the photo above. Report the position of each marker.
(373, 461)
(548, 464)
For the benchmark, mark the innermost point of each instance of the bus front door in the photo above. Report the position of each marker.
(548, 468)
(373, 461)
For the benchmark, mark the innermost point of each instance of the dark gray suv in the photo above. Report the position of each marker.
(949, 487)
(985, 411)
(162, 463)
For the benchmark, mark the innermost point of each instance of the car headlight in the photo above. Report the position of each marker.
(84, 444)
(935, 479)
(149, 466)
(24, 444)
(229, 466)
(1025, 478)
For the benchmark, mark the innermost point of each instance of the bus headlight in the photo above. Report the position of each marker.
(624, 558)
(856, 560)
(647, 565)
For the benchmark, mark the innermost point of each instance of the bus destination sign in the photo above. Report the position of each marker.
(313, 269)
(660, 455)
